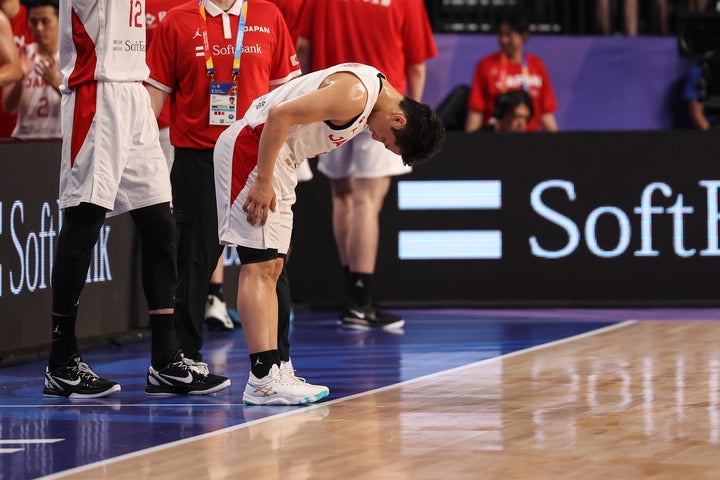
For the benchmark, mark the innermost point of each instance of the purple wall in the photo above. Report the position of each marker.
(601, 83)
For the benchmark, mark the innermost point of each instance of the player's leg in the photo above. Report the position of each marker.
(374, 166)
(216, 313)
(85, 198)
(258, 308)
(67, 375)
(145, 192)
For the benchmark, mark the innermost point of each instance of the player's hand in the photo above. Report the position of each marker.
(49, 70)
(259, 202)
(27, 63)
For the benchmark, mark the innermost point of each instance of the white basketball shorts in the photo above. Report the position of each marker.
(235, 159)
(111, 155)
(363, 157)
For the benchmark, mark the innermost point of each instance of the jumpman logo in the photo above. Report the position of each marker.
(197, 34)
(257, 361)
(56, 330)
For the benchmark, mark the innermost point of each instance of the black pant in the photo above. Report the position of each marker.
(195, 210)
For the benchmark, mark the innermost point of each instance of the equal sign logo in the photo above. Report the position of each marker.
(118, 46)
(450, 195)
(199, 51)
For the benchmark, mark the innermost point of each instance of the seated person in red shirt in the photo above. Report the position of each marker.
(513, 111)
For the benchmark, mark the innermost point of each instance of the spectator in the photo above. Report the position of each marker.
(509, 69)
(36, 97)
(333, 32)
(191, 81)
(694, 94)
(10, 69)
(255, 179)
(513, 110)
(112, 163)
(18, 15)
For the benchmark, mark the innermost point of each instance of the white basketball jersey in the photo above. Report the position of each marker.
(39, 109)
(102, 40)
(310, 140)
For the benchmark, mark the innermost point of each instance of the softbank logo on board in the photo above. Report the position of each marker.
(27, 248)
(656, 200)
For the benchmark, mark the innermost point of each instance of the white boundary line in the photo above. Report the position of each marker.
(139, 453)
(30, 441)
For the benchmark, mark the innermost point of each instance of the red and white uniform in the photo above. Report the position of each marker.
(177, 62)
(236, 158)
(494, 75)
(388, 34)
(111, 155)
(39, 108)
(23, 37)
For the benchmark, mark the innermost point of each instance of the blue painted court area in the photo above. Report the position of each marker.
(40, 436)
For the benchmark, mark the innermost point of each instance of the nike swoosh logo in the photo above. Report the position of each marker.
(357, 314)
(74, 383)
(186, 379)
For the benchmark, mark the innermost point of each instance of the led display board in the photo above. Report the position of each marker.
(583, 218)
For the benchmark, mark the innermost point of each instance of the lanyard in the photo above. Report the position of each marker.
(209, 65)
(525, 74)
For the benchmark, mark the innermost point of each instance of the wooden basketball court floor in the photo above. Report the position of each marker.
(457, 394)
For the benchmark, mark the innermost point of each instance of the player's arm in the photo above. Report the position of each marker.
(303, 49)
(697, 115)
(11, 96)
(157, 98)
(547, 120)
(473, 121)
(340, 98)
(416, 74)
(9, 58)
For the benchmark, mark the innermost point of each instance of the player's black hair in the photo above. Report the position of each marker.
(423, 136)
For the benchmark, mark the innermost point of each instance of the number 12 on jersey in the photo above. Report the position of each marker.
(136, 12)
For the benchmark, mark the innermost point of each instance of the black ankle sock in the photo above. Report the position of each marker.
(164, 344)
(262, 362)
(359, 284)
(64, 343)
(217, 290)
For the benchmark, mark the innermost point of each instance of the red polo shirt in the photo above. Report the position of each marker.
(176, 59)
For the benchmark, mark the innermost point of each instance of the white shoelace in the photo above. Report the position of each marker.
(199, 367)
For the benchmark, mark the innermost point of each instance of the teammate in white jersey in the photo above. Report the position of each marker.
(36, 97)
(112, 163)
(255, 178)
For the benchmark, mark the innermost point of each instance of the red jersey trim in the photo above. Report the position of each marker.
(244, 158)
(83, 116)
(86, 60)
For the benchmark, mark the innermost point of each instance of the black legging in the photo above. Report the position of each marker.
(78, 235)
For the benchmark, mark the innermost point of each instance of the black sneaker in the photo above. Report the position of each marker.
(370, 317)
(184, 377)
(77, 380)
